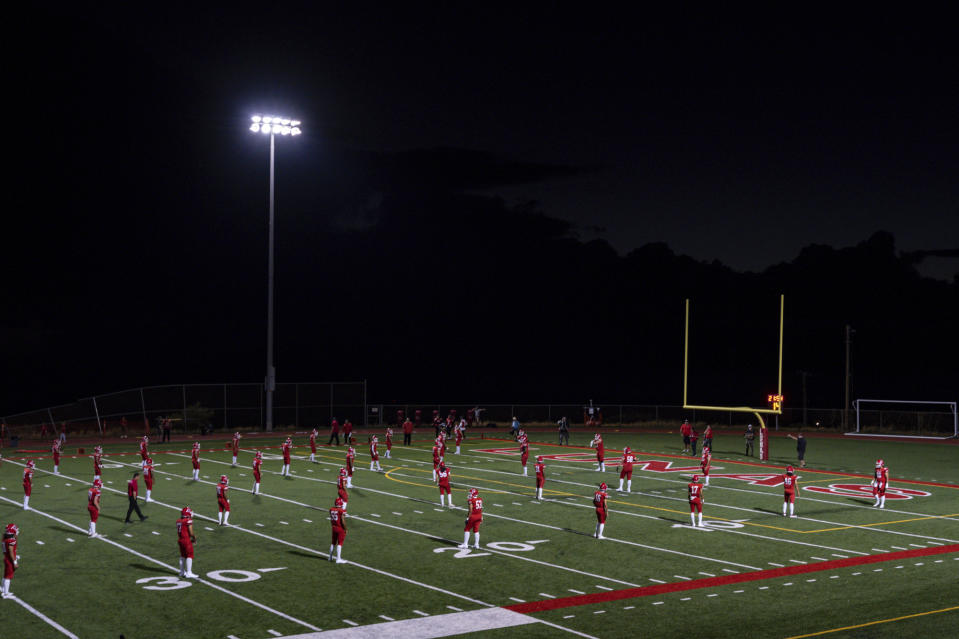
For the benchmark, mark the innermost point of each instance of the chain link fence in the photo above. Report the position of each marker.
(227, 407)
(192, 408)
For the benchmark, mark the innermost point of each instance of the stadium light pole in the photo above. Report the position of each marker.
(271, 125)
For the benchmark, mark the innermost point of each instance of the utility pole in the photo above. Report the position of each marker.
(850, 331)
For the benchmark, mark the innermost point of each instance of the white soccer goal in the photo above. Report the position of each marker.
(914, 419)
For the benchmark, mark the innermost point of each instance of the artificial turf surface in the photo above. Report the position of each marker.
(405, 564)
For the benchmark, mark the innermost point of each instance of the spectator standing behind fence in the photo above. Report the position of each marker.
(750, 437)
(166, 429)
(563, 430)
(334, 433)
(515, 428)
(800, 448)
(407, 432)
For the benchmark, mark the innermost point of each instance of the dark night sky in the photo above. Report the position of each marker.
(136, 232)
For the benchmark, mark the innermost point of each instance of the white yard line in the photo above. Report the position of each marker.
(299, 547)
(173, 569)
(47, 620)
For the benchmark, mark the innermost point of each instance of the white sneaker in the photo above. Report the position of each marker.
(793, 516)
(464, 546)
(7, 595)
(476, 546)
(191, 575)
(600, 537)
(341, 561)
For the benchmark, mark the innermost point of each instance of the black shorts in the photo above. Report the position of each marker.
(686, 439)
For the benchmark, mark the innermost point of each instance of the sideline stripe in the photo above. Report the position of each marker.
(873, 623)
(455, 623)
(709, 582)
(42, 616)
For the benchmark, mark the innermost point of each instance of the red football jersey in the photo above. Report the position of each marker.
(338, 518)
(133, 488)
(444, 477)
(695, 491)
(436, 454)
(92, 494)
(183, 530)
(628, 460)
(221, 492)
(27, 475)
(599, 499)
(256, 464)
(540, 470)
(789, 483)
(476, 506)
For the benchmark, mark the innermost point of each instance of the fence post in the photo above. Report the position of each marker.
(97, 412)
(366, 410)
(296, 409)
(184, 407)
(620, 414)
(225, 427)
(143, 407)
(331, 402)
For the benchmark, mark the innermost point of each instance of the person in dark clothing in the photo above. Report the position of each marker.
(133, 488)
(563, 431)
(800, 448)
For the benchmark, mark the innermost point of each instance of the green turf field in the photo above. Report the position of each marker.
(749, 572)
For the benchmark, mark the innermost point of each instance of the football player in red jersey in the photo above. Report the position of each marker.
(223, 501)
(437, 458)
(185, 540)
(458, 431)
(148, 476)
(705, 462)
(27, 483)
(600, 452)
(626, 470)
(144, 442)
(523, 449)
(97, 462)
(195, 458)
(695, 490)
(790, 484)
(257, 461)
(389, 442)
(374, 454)
(342, 483)
(443, 481)
(880, 479)
(287, 447)
(313, 435)
(350, 456)
(442, 442)
(473, 519)
(11, 560)
(55, 449)
(602, 510)
(338, 524)
(235, 444)
(540, 476)
(93, 505)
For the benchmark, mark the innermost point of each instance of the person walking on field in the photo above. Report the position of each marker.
(407, 432)
(800, 447)
(685, 430)
(708, 438)
(133, 489)
(563, 431)
(750, 437)
(334, 433)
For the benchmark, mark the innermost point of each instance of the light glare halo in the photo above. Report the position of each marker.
(255, 127)
(265, 128)
(295, 131)
(256, 118)
(267, 120)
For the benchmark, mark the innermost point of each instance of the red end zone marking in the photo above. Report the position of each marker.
(709, 582)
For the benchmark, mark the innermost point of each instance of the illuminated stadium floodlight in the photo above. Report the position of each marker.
(272, 125)
(275, 125)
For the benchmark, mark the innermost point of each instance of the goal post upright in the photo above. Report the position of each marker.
(758, 412)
